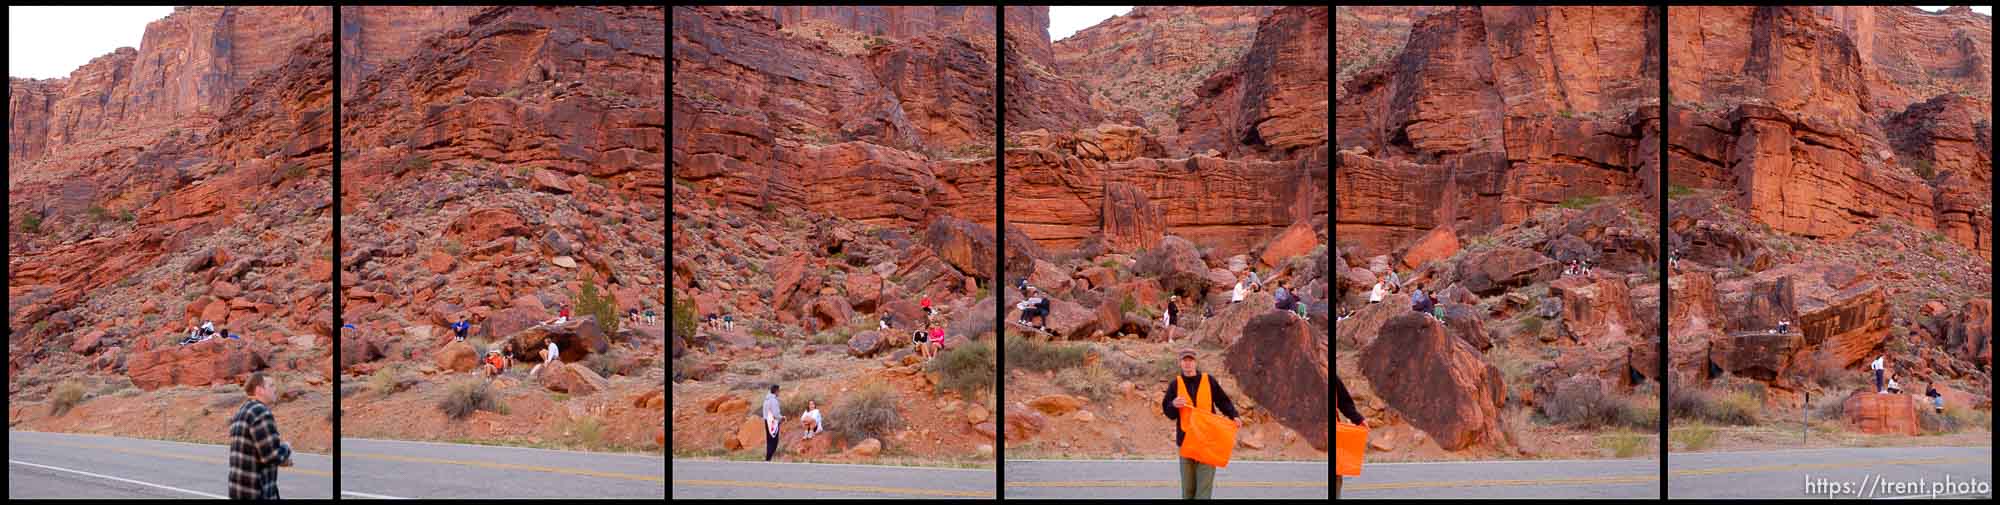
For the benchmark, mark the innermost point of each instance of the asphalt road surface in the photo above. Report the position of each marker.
(1873, 472)
(780, 480)
(1057, 478)
(67, 465)
(1516, 479)
(372, 468)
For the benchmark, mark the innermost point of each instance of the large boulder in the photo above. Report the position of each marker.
(1763, 356)
(828, 312)
(1227, 325)
(1695, 308)
(1438, 244)
(1767, 302)
(1467, 323)
(457, 357)
(481, 226)
(88, 342)
(216, 361)
(1177, 264)
(868, 343)
(1297, 240)
(572, 378)
(1595, 308)
(1968, 333)
(576, 339)
(356, 348)
(1056, 404)
(1497, 270)
(1282, 364)
(1366, 324)
(1881, 413)
(1437, 382)
(966, 245)
(1024, 423)
(1850, 324)
(749, 434)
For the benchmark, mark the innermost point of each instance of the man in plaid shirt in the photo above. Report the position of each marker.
(255, 450)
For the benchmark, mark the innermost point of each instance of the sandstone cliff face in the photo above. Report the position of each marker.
(1270, 104)
(501, 165)
(897, 135)
(370, 38)
(181, 182)
(1489, 114)
(1040, 95)
(1150, 60)
(1823, 121)
(1060, 199)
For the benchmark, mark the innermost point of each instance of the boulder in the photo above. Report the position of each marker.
(1438, 244)
(457, 356)
(829, 312)
(1366, 324)
(574, 379)
(216, 361)
(655, 399)
(576, 339)
(867, 448)
(1968, 333)
(484, 225)
(749, 434)
(1762, 356)
(868, 343)
(1595, 309)
(1297, 240)
(1881, 413)
(1177, 264)
(1227, 325)
(1024, 423)
(976, 414)
(1497, 270)
(1056, 404)
(728, 404)
(1439, 383)
(88, 342)
(1282, 364)
(1851, 324)
(1467, 323)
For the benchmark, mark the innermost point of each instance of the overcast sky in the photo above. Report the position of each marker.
(1064, 21)
(49, 42)
(1982, 9)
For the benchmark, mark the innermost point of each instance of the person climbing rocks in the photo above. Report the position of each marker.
(1375, 295)
(1173, 315)
(549, 356)
(459, 328)
(1937, 399)
(256, 450)
(811, 420)
(1877, 367)
(1197, 478)
(1344, 402)
(772, 415)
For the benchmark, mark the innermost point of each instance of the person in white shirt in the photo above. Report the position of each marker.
(1895, 388)
(548, 356)
(811, 419)
(1236, 295)
(1877, 366)
(1375, 295)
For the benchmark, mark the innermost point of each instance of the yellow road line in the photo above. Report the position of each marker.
(217, 461)
(833, 487)
(1615, 479)
(1822, 466)
(1168, 483)
(504, 466)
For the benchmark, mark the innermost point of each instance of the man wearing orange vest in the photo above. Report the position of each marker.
(1197, 479)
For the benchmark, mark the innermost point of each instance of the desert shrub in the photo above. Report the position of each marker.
(604, 306)
(684, 319)
(1624, 444)
(799, 373)
(1094, 382)
(600, 362)
(1732, 408)
(1697, 436)
(414, 162)
(1933, 423)
(1677, 191)
(31, 223)
(967, 369)
(466, 396)
(98, 213)
(294, 170)
(1579, 202)
(1532, 326)
(67, 395)
(793, 404)
(384, 381)
(1039, 356)
(1591, 407)
(587, 431)
(871, 412)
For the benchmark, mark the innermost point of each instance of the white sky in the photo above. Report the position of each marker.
(1066, 21)
(1982, 9)
(50, 42)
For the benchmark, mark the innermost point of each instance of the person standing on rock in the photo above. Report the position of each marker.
(255, 448)
(1344, 402)
(1173, 315)
(1197, 478)
(1877, 366)
(772, 415)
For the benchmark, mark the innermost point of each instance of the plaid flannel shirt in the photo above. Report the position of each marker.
(255, 451)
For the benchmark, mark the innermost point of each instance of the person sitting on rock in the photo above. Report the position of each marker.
(1283, 297)
(888, 321)
(1035, 306)
(562, 316)
(495, 363)
(459, 328)
(1256, 284)
(1419, 301)
(936, 342)
(728, 321)
(1375, 295)
(1894, 388)
(549, 356)
(811, 419)
(918, 339)
(1784, 326)
(1236, 294)
(928, 311)
(1937, 399)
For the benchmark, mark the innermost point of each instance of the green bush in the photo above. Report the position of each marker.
(967, 368)
(871, 412)
(466, 396)
(1624, 444)
(1093, 382)
(98, 213)
(1589, 407)
(1033, 355)
(1677, 191)
(1738, 408)
(1579, 202)
(1697, 436)
(684, 319)
(604, 306)
(587, 431)
(67, 395)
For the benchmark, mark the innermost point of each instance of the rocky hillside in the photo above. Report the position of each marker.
(156, 188)
(508, 166)
(1491, 114)
(1840, 178)
(1146, 62)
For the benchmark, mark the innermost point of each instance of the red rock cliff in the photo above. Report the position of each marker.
(1149, 60)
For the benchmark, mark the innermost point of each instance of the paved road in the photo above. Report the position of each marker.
(1162, 479)
(67, 465)
(1596, 478)
(1874, 472)
(372, 468)
(758, 479)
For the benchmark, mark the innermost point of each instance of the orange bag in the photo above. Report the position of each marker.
(1210, 436)
(1351, 442)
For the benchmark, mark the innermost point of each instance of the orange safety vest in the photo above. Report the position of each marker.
(1210, 436)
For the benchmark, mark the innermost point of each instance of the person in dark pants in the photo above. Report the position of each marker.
(772, 416)
(1345, 403)
(1197, 479)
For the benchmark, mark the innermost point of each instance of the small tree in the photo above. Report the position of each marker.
(604, 306)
